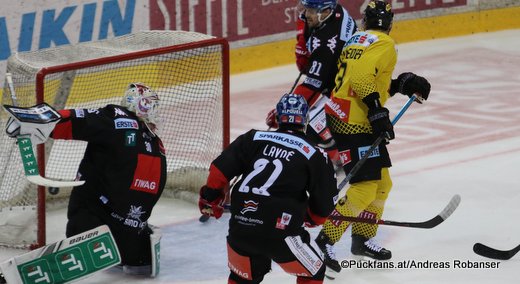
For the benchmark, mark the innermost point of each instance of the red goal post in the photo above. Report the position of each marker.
(190, 73)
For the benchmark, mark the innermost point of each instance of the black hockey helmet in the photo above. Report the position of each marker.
(292, 109)
(319, 5)
(378, 15)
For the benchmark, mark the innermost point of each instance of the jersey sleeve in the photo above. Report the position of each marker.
(322, 190)
(230, 162)
(90, 125)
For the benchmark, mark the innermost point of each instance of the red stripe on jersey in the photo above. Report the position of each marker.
(65, 113)
(239, 264)
(295, 268)
(216, 179)
(147, 175)
(310, 95)
(318, 220)
(63, 130)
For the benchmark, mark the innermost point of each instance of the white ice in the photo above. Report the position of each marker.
(464, 140)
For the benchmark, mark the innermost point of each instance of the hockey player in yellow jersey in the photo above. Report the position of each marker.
(356, 116)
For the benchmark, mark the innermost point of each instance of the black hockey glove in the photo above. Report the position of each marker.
(408, 84)
(378, 117)
(210, 201)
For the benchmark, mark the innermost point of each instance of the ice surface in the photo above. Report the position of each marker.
(464, 140)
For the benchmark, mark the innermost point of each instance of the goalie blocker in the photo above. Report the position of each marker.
(32, 126)
(37, 122)
(76, 258)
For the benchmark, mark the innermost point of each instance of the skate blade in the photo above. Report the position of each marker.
(331, 274)
(362, 258)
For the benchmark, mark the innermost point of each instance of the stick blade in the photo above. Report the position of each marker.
(39, 180)
(489, 252)
(451, 207)
(204, 218)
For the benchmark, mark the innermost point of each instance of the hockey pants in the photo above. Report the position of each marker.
(364, 199)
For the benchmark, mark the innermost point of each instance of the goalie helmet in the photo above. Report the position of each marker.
(140, 99)
(378, 15)
(292, 109)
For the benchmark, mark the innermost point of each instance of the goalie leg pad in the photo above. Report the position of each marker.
(155, 244)
(153, 268)
(65, 261)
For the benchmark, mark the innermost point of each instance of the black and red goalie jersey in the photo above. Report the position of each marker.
(285, 182)
(124, 165)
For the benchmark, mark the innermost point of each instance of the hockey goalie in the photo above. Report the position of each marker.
(124, 174)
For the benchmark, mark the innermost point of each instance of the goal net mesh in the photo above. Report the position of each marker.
(186, 70)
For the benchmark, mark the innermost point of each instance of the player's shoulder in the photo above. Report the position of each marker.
(117, 111)
(370, 38)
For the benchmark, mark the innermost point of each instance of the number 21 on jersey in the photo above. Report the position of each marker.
(259, 167)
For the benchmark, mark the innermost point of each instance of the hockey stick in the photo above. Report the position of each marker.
(296, 82)
(290, 91)
(433, 222)
(489, 252)
(30, 165)
(376, 143)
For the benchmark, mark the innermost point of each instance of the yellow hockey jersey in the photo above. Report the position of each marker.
(365, 66)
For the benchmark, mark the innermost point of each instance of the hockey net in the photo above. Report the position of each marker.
(190, 73)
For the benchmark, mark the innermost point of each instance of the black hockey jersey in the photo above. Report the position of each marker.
(124, 165)
(325, 44)
(284, 179)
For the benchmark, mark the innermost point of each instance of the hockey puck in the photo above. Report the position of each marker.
(53, 190)
(203, 218)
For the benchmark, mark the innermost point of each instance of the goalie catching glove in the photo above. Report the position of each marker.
(37, 122)
(211, 201)
(409, 84)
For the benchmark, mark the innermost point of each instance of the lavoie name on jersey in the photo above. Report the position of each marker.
(287, 140)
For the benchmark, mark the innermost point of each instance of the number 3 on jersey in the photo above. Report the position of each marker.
(260, 166)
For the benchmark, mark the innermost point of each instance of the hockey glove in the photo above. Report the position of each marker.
(408, 84)
(211, 201)
(270, 120)
(37, 122)
(378, 117)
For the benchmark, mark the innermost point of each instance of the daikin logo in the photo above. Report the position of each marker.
(51, 26)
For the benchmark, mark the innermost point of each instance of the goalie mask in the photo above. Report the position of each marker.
(140, 99)
(292, 109)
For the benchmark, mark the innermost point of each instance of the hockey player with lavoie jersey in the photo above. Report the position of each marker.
(286, 182)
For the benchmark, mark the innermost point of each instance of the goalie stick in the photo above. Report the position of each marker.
(433, 222)
(30, 164)
(489, 252)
